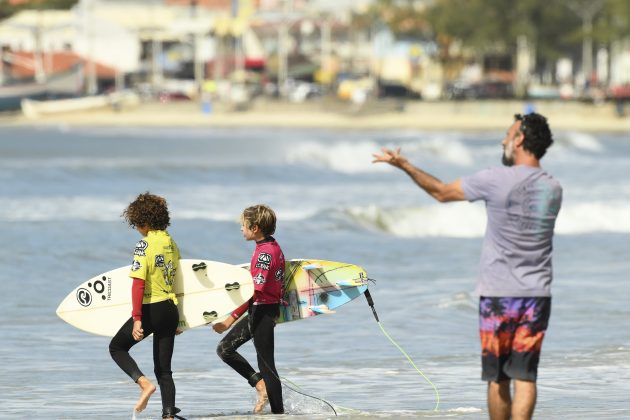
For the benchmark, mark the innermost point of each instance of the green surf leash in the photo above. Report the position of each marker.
(306, 395)
(285, 381)
(371, 303)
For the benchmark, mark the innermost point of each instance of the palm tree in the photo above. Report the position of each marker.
(494, 307)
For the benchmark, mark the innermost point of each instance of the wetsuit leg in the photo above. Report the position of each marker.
(165, 317)
(226, 349)
(264, 321)
(120, 345)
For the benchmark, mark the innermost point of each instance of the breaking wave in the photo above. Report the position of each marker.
(456, 220)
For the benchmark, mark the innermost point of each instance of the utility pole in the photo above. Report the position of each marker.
(92, 80)
(198, 70)
(40, 74)
(157, 73)
(586, 10)
(326, 44)
(283, 53)
(239, 56)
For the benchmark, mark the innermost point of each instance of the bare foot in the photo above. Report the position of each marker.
(261, 391)
(147, 389)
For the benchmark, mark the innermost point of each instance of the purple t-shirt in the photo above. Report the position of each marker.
(522, 203)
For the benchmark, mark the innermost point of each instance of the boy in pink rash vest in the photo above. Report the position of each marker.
(258, 223)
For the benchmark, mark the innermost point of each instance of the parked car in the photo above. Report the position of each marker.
(299, 91)
(488, 89)
(165, 97)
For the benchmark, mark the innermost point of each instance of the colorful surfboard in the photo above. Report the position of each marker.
(315, 287)
(206, 290)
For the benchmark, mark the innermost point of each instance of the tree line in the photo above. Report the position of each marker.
(8, 7)
(556, 28)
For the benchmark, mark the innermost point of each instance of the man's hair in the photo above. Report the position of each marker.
(147, 210)
(262, 216)
(537, 134)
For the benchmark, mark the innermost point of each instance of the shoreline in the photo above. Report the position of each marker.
(420, 115)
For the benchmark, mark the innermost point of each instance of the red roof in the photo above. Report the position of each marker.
(58, 62)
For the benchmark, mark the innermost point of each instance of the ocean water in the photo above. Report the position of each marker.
(62, 191)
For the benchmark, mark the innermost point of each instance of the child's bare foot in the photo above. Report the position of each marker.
(261, 391)
(147, 389)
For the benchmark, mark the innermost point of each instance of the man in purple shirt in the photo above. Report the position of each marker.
(522, 203)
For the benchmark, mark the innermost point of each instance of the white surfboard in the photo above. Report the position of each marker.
(206, 291)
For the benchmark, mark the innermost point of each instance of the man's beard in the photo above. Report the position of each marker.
(508, 154)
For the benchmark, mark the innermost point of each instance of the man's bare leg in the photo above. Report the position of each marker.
(499, 400)
(524, 400)
(146, 390)
(261, 391)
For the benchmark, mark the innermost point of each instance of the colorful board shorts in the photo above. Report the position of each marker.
(512, 331)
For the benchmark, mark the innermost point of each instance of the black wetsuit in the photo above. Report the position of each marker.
(161, 320)
(257, 324)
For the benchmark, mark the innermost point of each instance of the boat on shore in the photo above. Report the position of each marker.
(11, 96)
(33, 109)
(64, 84)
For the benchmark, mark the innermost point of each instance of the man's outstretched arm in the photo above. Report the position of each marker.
(434, 187)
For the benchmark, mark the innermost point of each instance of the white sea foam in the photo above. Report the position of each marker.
(582, 141)
(456, 220)
(445, 149)
(465, 410)
(38, 209)
(356, 156)
(458, 300)
(105, 209)
(596, 216)
(78, 163)
(460, 220)
(344, 157)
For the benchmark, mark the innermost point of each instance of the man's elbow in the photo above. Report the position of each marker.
(442, 198)
(448, 196)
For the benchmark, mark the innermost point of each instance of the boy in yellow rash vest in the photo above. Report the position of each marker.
(155, 262)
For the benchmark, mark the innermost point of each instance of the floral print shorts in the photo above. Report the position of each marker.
(511, 332)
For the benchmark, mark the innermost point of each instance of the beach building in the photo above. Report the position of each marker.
(176, 45)
(40, 43)
(111, 38)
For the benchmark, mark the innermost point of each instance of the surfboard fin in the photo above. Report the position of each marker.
(232, 286)
(200, 266)
(210, 316)
(321, 309)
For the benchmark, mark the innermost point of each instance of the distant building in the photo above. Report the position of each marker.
(37, 43)
(154, 40)
(209, 4)
(229, 5)
(112, 38)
